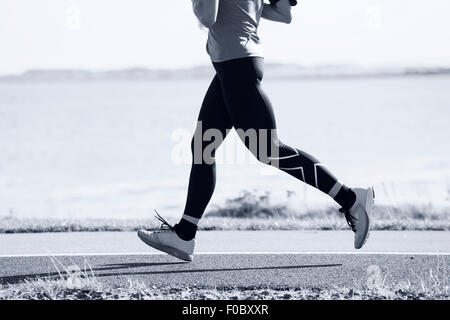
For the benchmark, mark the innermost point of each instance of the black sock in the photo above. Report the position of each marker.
(345, 197)
(185, 230)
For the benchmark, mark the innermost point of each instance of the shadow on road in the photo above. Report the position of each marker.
(56, 275)
(105, 270)
(193, 270)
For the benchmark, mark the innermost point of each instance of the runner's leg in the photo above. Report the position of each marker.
(251, 113)
(212, 127)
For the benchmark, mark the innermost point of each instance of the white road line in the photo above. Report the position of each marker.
(226, 253)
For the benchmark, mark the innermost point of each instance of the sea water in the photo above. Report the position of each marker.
(119, 149)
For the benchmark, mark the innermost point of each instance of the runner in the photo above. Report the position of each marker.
(235, 99)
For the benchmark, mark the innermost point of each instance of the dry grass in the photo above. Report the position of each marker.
(383, 219)
(91, 289)
(322, 222)
(82, 284)
(249, 211)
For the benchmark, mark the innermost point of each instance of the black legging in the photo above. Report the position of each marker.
(235, 99)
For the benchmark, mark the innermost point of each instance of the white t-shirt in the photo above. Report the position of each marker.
(234, 35)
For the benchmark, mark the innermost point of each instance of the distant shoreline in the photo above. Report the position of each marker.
(273, 71)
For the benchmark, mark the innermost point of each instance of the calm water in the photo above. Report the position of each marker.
(120, 149)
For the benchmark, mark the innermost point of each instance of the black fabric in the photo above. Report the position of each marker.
(185, 230)
(292, 2)
(345, 197)
(235, 99)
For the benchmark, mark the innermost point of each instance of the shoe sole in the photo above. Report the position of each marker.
(174, 252)
(370, 201)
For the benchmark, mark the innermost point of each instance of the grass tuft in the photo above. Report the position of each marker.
(249, 211)
(91, 289)
(81, 284)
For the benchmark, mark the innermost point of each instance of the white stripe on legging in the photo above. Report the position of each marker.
(296, 168)
(315, 173)
(285, 157)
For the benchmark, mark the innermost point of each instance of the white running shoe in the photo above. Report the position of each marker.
(168, 241)
(358, 216)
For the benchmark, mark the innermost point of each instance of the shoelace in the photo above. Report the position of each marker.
(164, 224)
(350, 219)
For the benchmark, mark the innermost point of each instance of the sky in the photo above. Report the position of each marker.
(115, 34)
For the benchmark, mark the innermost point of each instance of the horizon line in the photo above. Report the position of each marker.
(342, 66)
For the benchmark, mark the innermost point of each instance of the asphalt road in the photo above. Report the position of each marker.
(240, 262)
(226, 241)
(228, 270)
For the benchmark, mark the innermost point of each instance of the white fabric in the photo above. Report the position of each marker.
(191, 219)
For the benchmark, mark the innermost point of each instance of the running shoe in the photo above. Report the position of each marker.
(358, 216)
(167, 240)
